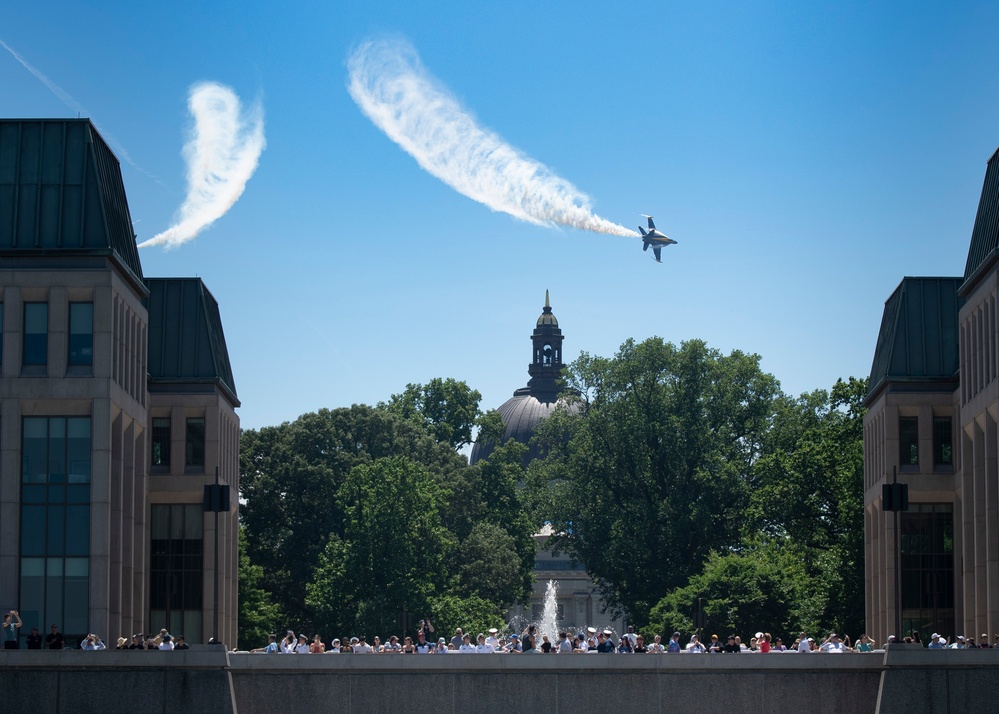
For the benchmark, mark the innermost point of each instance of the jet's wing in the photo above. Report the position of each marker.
(657, 249)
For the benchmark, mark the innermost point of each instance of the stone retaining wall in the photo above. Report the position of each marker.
(72, 682)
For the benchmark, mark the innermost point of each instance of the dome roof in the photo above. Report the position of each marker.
(547, 318)
(521, 413)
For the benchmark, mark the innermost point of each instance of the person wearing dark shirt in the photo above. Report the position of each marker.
(605, 642)
(34, 639)
(54, 640)
(731, 645)
(181, 643)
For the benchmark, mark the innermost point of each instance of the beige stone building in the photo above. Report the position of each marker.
(117, 404)
(932, 416)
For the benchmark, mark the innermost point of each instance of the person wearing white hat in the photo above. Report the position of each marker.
(935, 643)
(492, 640)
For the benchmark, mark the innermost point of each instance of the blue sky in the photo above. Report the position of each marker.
(806, 156)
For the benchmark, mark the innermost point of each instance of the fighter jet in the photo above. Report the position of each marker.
(654, 238)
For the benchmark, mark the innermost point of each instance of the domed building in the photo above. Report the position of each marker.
(530, 404)
(578, 601)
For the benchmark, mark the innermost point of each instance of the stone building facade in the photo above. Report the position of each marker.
(933, 404)
(116, 406)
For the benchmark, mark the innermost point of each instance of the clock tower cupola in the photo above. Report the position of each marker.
(546, 362)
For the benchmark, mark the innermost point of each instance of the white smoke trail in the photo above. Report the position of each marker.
(222, 153)
(70, 102)
(391, 86)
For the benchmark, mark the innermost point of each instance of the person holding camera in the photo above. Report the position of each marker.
(11, 624)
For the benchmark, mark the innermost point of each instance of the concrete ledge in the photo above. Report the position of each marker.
(113, 659)
(350, 663)
(901, 680)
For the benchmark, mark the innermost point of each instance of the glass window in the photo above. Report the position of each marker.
(161, 441)
(36, 333)
(176, 576)
(195, 443)
(927, 552)
(54, 450)
(943, 454)
(908, 441)
(1, 333)
(81, 333)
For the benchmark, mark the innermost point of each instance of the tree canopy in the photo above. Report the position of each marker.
(360, 516)
(651, 474)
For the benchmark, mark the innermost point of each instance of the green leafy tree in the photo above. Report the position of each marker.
(258, 615)
(489, 566)
(764, 587)
(392, 556)
(809, 489)
(473, 614)
(290, 479)
(447, 408)
(653, 472)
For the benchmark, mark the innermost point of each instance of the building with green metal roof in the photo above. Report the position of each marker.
(932, 405)
(117, 404)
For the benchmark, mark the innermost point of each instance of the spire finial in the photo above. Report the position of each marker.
(547, 302)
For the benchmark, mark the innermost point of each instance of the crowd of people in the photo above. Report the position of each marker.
(583, 642)
(492, 642)
(55, 640)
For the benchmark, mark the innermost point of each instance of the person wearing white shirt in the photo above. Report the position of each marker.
(362, 647)
(302, 646)
(492, 640)
(833, 644)
(803, 644)
(466, 643)
(482, 647)
(631, 635)
(166, 643)
(694, 646)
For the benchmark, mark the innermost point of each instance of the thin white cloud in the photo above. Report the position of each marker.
(222, 152)
(416, 111)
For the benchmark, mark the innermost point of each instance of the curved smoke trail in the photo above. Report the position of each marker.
(222, 153)
(390, 85)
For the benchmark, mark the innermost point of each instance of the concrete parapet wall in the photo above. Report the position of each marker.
(80, 682)
(212, 681)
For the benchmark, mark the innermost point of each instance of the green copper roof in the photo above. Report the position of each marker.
(918, 341)
(985, 235)
(61, 192)
(186, 341)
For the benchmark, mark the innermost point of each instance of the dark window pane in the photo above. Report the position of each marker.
(36, 333)
(57, 450)
(57, 531)
(81, 333)
(32, 530)
(34, 461)
(195, 443)
(77, 530)
(78, 494)
(908, 441)
(943, 453)
(32, 494)
(161, 441)
(78, 449)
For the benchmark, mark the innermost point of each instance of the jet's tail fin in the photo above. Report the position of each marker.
(652, 226)
(642, 230)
